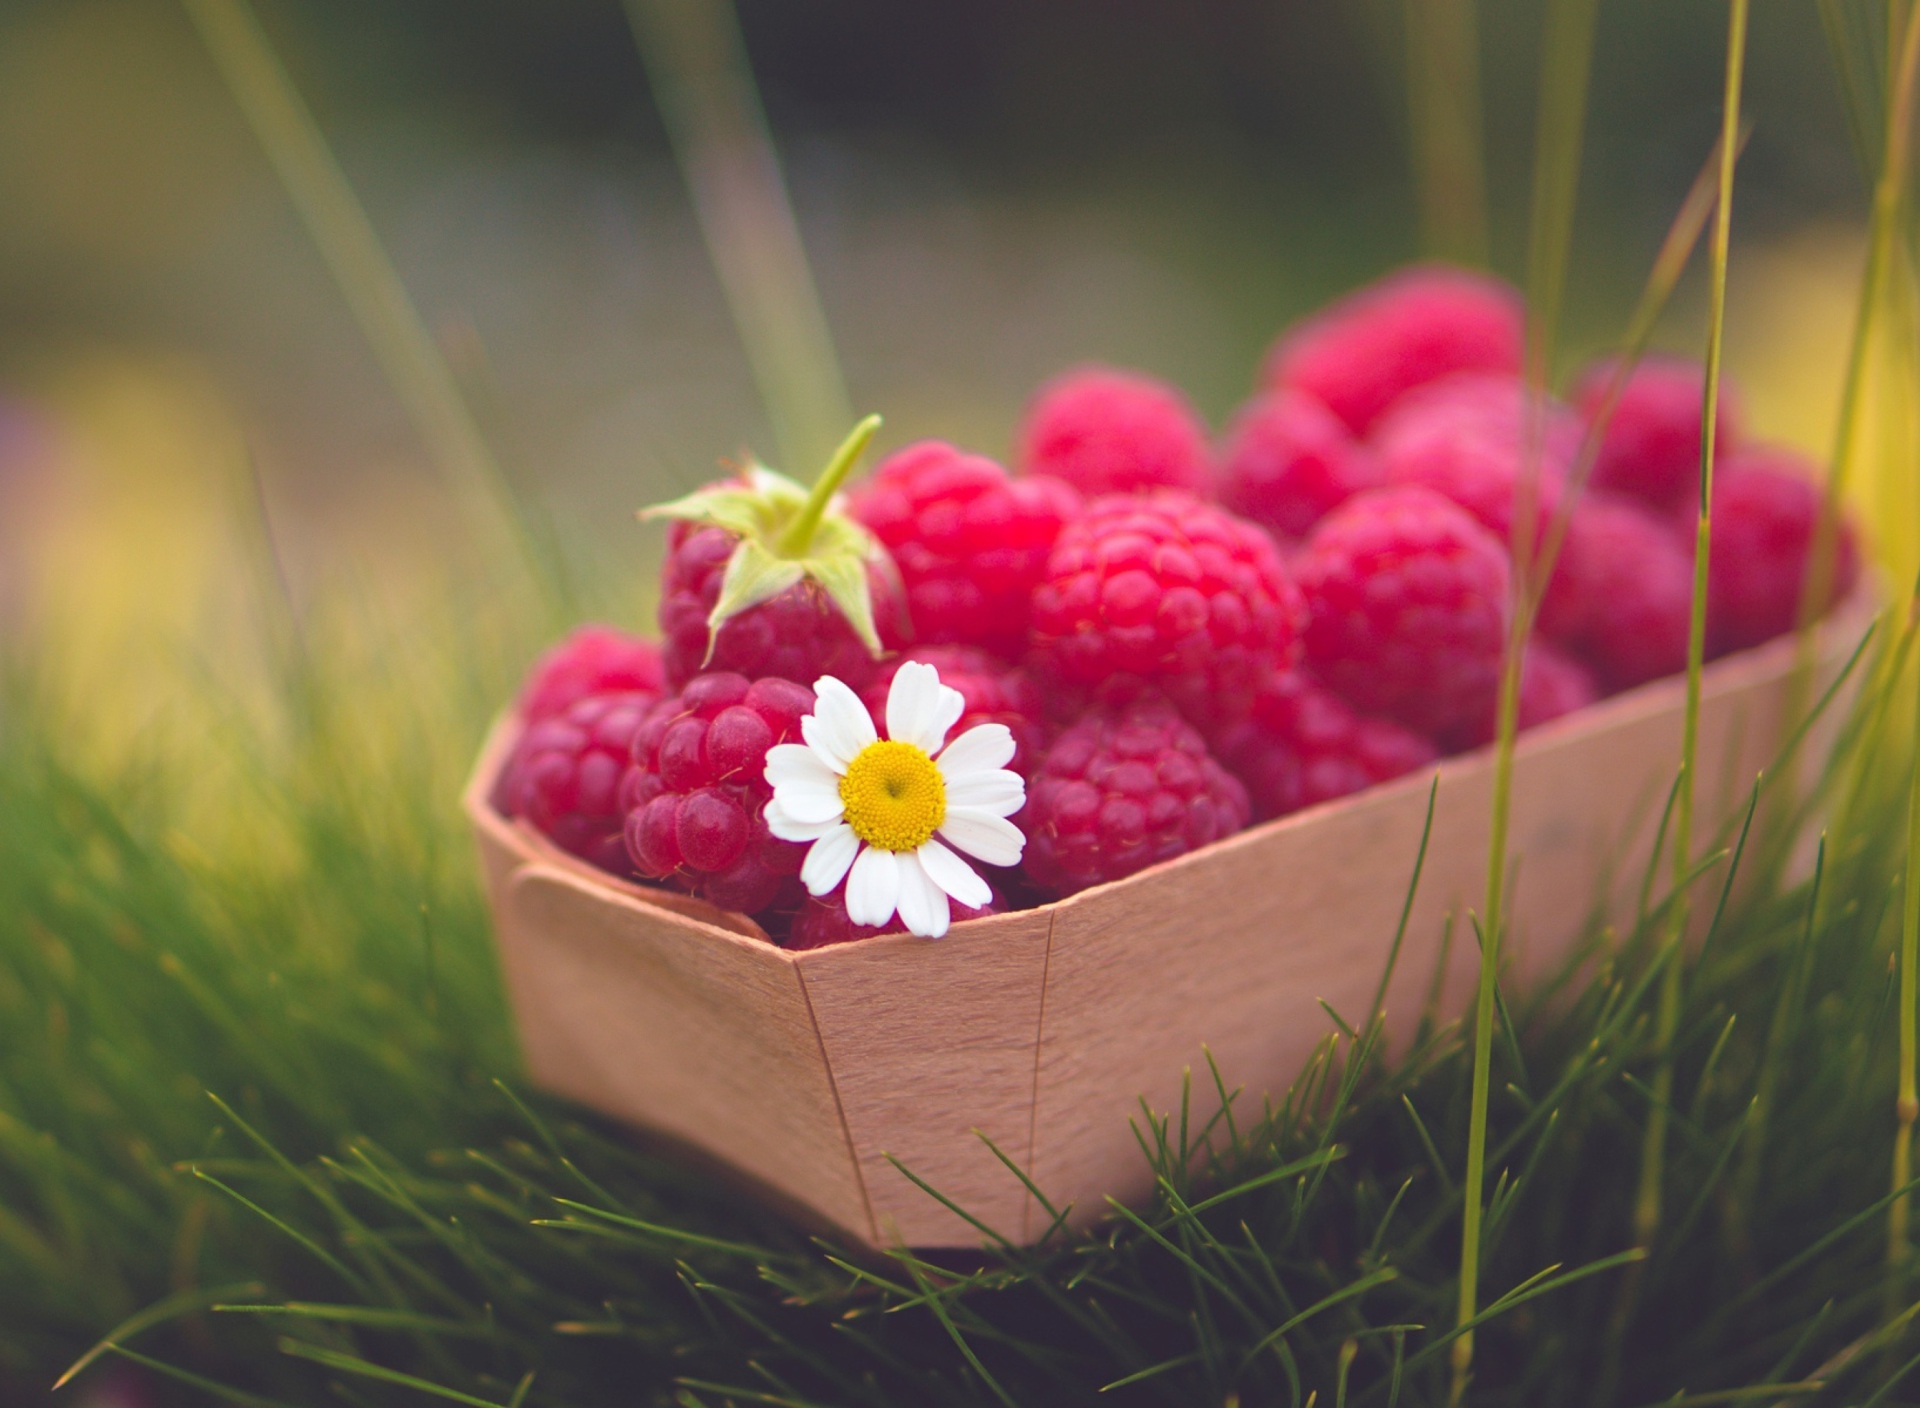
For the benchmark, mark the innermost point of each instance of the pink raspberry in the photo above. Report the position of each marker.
(1652, 446)
(799, 634)
(1304, 745)
(822, 921)
(1289, 461)
(696, 794)
(591, 660)
(1766, 503)
(1121, 790)
(1164, 591)
(996, 693)
(1552, 683)
(1411, 327)
(1622, 592)
(1113, 432)
(971, 543)
(566, 772)
(1408, 603)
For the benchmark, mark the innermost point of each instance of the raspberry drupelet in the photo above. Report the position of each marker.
(996, 693)
(971, 543)
(1408, 603)
(823, 921)
(1288, 461)
(1412, 327)
(1651, 448)
(1163, 591)
(1304, 744)
(1120, 790)
(591, 660)
(565, 777)
(1622, 592)
(695, 796)
(1553, 683)
(1106, 431)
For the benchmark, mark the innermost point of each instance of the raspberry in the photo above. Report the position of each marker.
(971, 543)
(1409, 608)
(1409, 328)
(1466, 437)
(566, 772)
(1165, 591)
(1622, 592)
(1304, 744)
(799, 634)
(1121, 790)
(1652, 446)
(823, 920)
(1552, 683)
(696, 794)
(1765, 507)
(996, 693)
(1289, 460)
(591, 660)
(1112, 432)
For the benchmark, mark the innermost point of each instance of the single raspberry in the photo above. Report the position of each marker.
(1552, 683)
(1411, 327)
(1289, 461)
(591, 660)
(1766, 504)
(996, 693)
(696, 794)
(565, 776)
(1408, 602)
(822, 921)
(1164, 591)
(1304, 744)
(970, 542)
(1121, 790)
(1106, 431)
(1652, 445)
(1469, 438)
(1622, 592)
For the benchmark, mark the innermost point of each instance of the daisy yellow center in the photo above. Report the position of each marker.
(894, 796)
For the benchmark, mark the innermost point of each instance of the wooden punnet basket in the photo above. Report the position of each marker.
(1043, 1029)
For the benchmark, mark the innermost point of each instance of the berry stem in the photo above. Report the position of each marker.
(799, 535)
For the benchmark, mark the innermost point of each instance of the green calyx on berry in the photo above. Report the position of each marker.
(788, 534)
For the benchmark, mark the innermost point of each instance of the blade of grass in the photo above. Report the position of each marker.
(1444, 109)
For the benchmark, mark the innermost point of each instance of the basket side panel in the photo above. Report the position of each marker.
(930, 1041)
(697, 1034)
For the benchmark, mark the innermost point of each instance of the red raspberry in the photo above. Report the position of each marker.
(565, 776)
(1622, 592)
(1652, 446)
(1412, 327)
(798, 635)
(822, 921)
(996, 693)
(1304, 744)
(1112, 432)
(1552, 683)
(1766, 503)
(1165, 591)
(1289, 461)
(971, 543)
(1121, 790)
(591, 660)
(1408, 602)
(696, 794)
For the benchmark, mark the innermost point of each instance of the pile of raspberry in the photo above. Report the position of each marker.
(1188, 634)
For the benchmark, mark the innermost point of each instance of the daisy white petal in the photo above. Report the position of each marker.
(828, 859)
(983, 835)
(954, 875)
(997, 791)
(839, 726)
(782, 824)
(920, 709)
(923, 904)
(810, 799)
(873, 887)
(981, 748)
(795, 764)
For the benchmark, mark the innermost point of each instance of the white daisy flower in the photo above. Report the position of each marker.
(887, 815)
